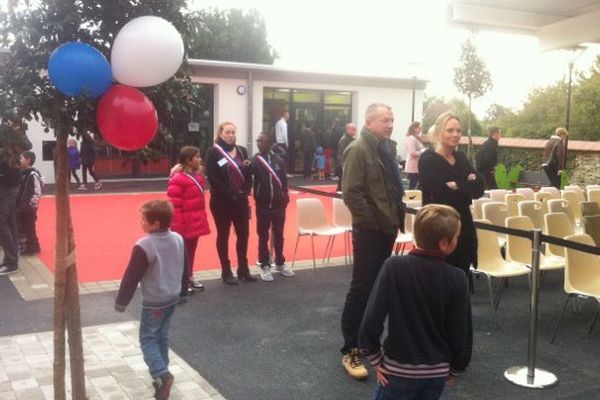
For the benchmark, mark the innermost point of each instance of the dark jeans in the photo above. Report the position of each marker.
(399, 388)
(9, 232)
(554, 178)
(265, 219)
(90, 168)
(154, 339)
(370, 250)
(74, 173)
(225, 214)
(413, 181)
(308, 162)
(26, 221)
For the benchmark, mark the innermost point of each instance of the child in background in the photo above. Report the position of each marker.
(186, 192)
(159, 262)
(28, 201)
(320, 162)
(427, 305)
(74, 162)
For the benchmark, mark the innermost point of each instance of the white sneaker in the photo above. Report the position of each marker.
(285, 270)
(82, 187)
(98, 185)
(265, 274)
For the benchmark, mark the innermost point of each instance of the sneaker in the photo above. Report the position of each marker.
(82, 187)
(265, 273)
(354, 365)
(98, 185)
(196, 286)
(163, 385)
(285, 270)
(5, 270)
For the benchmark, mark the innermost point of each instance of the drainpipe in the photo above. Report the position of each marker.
(250, 94)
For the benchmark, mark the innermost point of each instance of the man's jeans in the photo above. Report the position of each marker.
(265, 219)
(9, 233)
(154, 339)
(371, 248)
(399, 388)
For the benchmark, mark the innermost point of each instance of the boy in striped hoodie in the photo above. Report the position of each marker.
(427, 304)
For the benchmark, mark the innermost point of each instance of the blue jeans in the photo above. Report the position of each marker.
(404, 389)
(154, 339)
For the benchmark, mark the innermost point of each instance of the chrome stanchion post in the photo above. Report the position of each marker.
(530, 376)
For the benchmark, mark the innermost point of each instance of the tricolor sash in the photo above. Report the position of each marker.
(266, 165)
(230, 161)
(195, 181)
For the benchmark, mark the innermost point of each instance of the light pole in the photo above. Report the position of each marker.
(414, 89)
(574, 53)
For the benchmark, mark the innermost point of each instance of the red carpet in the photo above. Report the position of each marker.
(107, 226)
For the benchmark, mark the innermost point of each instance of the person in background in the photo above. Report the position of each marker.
(373, 193)
(345, 140)
(28, 201)
(281, 136)
(230, 178)
(271, 199)
(320, 163)
(88, 158)
(308, 145)
(414, 148)
(554, 156)
(488, 158)
(447, 177)
(426, 303)
(186, 191)
(13, 141)
(159, 262)
(74, 158)
(331, 147)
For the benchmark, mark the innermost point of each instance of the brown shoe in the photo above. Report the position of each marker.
(163, 386)
(247, 277)
(230, 280)
(354, 365)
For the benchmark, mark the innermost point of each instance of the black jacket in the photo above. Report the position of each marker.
(87, 153)
(217, 172)
(10, 172)
(267, 193)
(488, 156)
(427, 305)
(30, 190)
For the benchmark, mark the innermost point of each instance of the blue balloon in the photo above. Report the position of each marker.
(77, 69)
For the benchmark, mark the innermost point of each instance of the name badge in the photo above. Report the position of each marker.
(222, 162)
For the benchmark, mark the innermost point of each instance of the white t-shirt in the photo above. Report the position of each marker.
(281, 134)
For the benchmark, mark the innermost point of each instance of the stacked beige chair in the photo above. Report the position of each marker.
(535, 211)
(312, 221)
(498, 194)
(573, 198)
(343, 219)
(527, 193)
(543, 198)
(582, 277)
(512, 201)
(477, 207)
(557, 225)
(491, 265)
(518, 249)
(552, 190)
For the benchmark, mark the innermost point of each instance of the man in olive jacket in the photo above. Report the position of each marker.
(373, 193)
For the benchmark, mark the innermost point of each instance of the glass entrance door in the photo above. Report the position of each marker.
(302, 116)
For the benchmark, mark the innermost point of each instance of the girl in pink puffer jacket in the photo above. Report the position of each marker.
(186, 192)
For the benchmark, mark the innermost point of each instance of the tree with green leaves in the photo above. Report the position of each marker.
(31, 33)
(473, 80)
(228, 35)
(434, 106)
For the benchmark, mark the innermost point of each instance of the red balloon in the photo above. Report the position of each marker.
(126, 118)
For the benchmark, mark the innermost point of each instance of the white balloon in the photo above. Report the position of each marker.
(147, 51)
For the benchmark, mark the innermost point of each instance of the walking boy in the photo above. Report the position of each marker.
(429, 315)
(159, 262)
(28, 201)
(271, 198)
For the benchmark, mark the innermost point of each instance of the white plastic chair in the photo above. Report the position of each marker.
(402, 239)
(562, 206)
(594, 195)
(577, 189)
(552, 190)
(592, 187)
(518, 249)
(312, 221)
(498, 194)
(342, 218)
(574, 199)
(478, 207)
(527, 193)
(535, 211)
(557, 225)
(512, 201)
(543, 198)
(412, 194)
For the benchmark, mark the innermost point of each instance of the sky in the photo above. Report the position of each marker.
(403, 38)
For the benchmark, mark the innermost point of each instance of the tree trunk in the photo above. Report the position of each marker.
(470, 145)
(66, 295)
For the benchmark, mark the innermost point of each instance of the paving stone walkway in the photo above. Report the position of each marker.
(114, 367)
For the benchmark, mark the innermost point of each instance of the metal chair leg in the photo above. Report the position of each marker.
(492, 302)
(560, 318)
(312, 242)
(327, 248)
(295, 249)
(499, 293)
(330, 249)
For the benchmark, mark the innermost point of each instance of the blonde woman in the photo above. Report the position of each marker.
(447, 177)
(228, 172)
